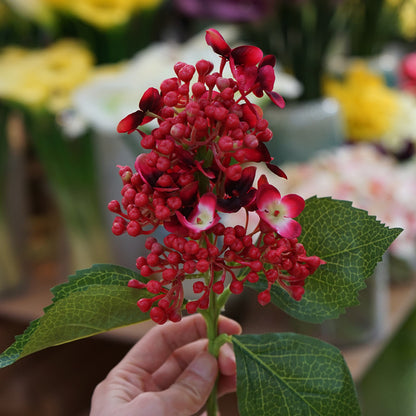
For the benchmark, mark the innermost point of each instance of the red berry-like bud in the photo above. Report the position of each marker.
(118, 227)
(114, 206)
(169, 274)
(171, 84)
(198, 287)
(256, 266)
(189, 267)
(186, 73)
(218, 287)
(162, 212)
(191, 307)
(234, 172)
(174, 257)
(272, 275)
(198, 89)
(153, 286)
(146, 271)
(178, 131)
(264, 298)
(148, 142)
(204, 67)
(240, 231)
(134, 229)
(149, 242)
(171, 98)
(144, 304)
(140, 262)
(191, 247)
(236, 287)
(202, 265)
(254, 253)
(252, 277)
(174, 316)
(136, 284)
(158, 315)
(226, 143)
(297, 292)
(152, 259)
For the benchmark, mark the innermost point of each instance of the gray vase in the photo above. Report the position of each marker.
(302, 129)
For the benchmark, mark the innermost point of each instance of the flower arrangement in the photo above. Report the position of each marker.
(368, 178)
(36, 87)
(310, 257)
(375, 112)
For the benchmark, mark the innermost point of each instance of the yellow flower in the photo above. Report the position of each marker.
(103, 13)
(408, 19)
(44, 78)
(368, 105)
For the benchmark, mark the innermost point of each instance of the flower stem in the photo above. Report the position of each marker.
(215, 342)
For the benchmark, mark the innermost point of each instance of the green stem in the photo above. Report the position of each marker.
(215, 341)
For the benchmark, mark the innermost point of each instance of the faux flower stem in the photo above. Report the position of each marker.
(215, 341)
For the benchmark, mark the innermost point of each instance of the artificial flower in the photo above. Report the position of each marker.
(279, 212)
(204, 215)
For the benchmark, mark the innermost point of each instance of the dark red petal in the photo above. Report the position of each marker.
(246, 77)
(268, 60)
(130, 122)
(151, 100)
(266, 77)
(276, 98)
(244, 184)
(247, 55)
(275, 169)
(217, 42)
(188, 193)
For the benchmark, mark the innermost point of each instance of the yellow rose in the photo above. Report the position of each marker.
(44, 78)
(103, 13)
(368, 105)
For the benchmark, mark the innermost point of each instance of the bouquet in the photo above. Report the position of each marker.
(310, 258)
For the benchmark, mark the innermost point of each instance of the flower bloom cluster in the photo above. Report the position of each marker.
(196, 171)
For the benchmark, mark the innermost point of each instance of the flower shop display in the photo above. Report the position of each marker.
(375, 112)
(362, 174)
(37, 86)
(310, 258)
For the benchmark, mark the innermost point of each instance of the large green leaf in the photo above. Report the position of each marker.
(351, 242)
(289, 374)
(93, 301)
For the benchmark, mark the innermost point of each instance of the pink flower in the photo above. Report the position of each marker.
(204, 215)
(279, 212)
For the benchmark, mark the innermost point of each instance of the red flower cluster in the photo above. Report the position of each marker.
(194, 170)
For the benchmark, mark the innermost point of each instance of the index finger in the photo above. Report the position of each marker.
(160, 342)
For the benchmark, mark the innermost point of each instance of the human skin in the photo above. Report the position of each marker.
(168, 372)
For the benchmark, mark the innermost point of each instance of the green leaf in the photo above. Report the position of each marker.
(290, 374)
(93, 301)
(351, 242)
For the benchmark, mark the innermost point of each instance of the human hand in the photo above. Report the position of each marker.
(168, 372)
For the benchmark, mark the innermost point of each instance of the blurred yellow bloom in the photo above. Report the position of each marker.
(44, 78)
(36, 10)
(103, 13)
(368, 105)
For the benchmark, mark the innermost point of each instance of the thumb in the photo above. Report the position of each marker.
(191, 390)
